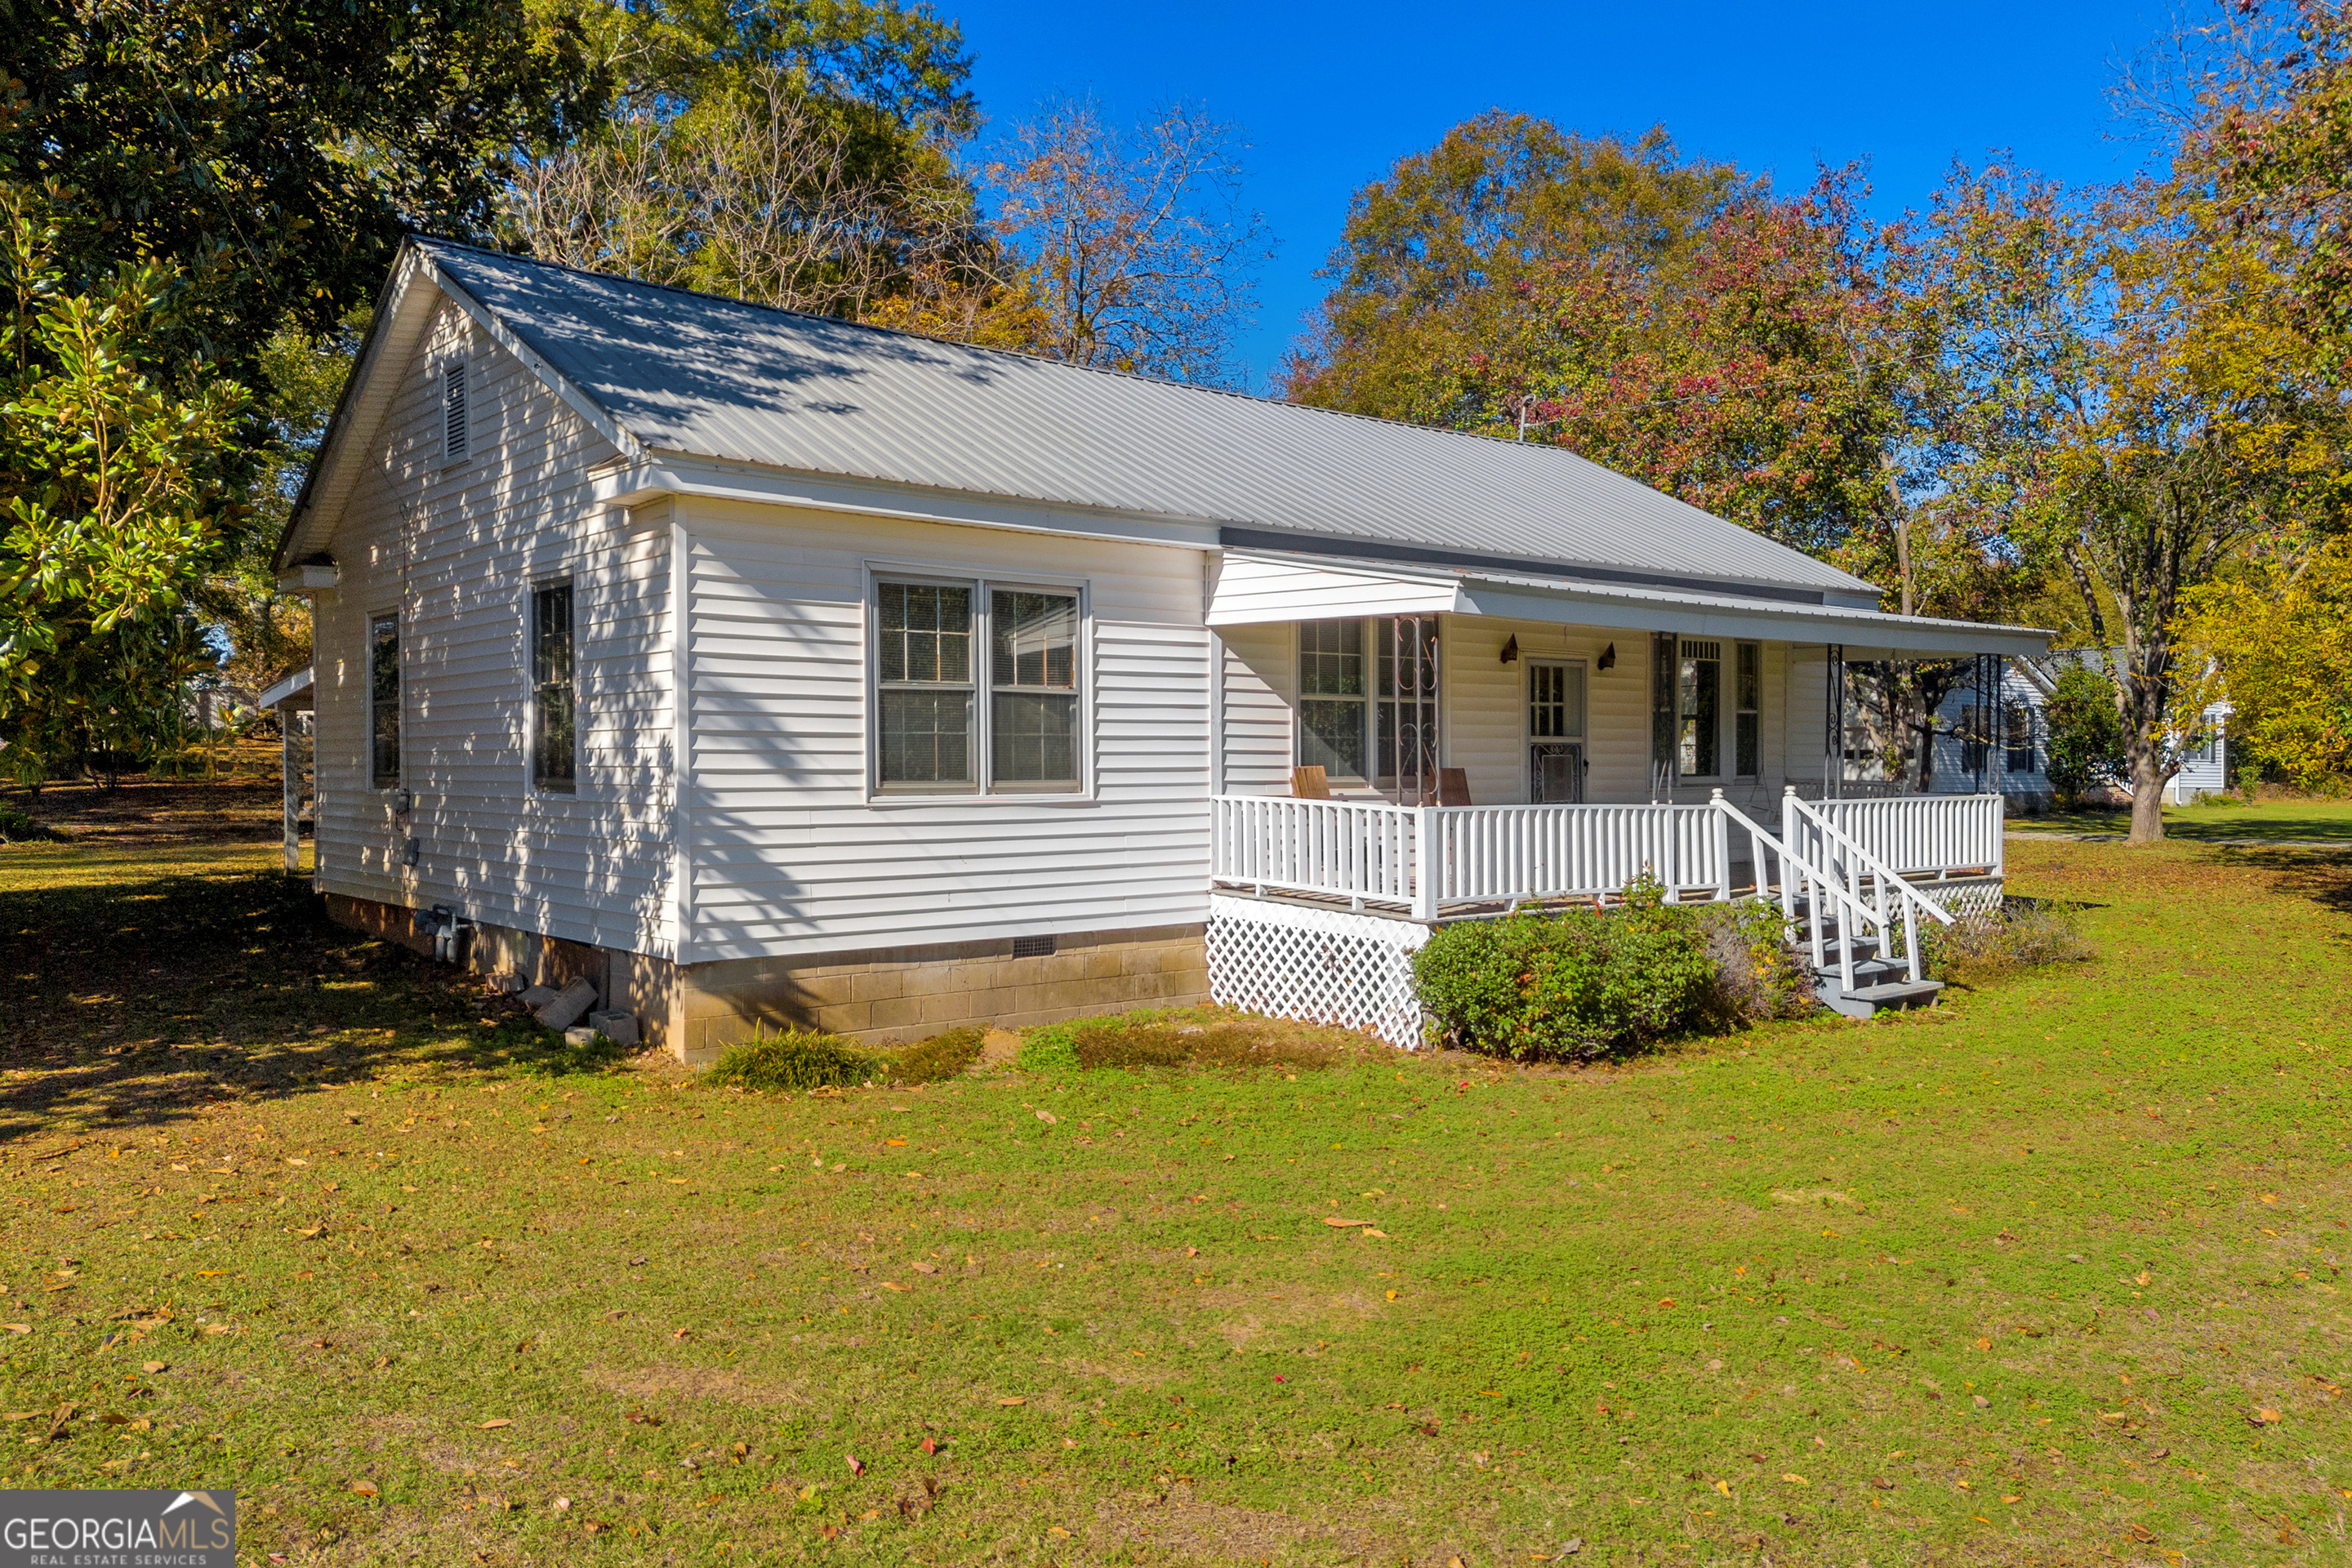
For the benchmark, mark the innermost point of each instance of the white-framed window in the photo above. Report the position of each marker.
(456, 414)
(979, 686)
(1368, 700)
(384, 701)
(554, 705)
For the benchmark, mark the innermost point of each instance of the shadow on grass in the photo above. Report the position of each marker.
(2322, 876)
(139, 1002)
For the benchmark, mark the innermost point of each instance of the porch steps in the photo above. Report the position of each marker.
(1880, 984)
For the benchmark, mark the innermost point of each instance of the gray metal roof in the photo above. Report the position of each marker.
(717, 378)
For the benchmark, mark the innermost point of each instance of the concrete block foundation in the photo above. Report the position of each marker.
(878, 994)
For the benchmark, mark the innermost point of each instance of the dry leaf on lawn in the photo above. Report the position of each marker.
(493, 1425)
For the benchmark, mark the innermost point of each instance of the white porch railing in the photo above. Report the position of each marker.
(1374, 853)
(1934, 835)
(1485, 854)
(1423, 859)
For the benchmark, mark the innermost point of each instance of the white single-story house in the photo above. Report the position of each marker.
(761, 667)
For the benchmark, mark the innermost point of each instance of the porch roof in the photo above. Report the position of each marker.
(1260, 587)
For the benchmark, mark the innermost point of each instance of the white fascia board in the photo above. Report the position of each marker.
(587, 407)
(657, 475)
(1705, 616)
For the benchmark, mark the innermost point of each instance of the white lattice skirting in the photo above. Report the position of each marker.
(1322, 966)
(1963, 898)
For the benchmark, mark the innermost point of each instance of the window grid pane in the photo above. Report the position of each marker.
(383, 701)
(1748, 726)
(1555, 702)
(554, 730)
(1331, 659)
(1331, 735)
(927, 737)
(1033, 640)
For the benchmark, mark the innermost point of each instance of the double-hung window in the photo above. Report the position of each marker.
(978, 689)
(384, 702)
(2017, 740)
(1331, 698)
(555, 709)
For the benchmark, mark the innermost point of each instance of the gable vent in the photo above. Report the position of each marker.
(457, 429)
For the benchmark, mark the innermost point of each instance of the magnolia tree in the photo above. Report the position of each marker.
(122, 489)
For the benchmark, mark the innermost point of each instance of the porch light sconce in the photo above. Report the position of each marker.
(1608, 659)
(1511, 648)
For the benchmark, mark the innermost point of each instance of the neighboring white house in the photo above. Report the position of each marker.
(2015, 750)
(763, 667)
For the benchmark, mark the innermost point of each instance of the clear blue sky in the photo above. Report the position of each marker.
(1330, 95)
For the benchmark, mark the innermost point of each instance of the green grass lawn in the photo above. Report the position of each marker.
(2052, 1274)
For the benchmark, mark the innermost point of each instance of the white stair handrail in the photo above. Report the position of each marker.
(1884, 876)
(1853, 913)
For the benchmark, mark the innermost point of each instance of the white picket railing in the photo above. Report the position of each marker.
(1930, 834)
(1836, 878)
(1486, 854)
(1374, 853)
(1341, 848)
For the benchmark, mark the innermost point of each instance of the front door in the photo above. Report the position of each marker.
(1555, 732)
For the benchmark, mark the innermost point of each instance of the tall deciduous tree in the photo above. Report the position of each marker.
(2148, 410)
(2273, 637)
(1135, 243)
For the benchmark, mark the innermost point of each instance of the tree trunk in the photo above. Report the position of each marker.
(2148, 777)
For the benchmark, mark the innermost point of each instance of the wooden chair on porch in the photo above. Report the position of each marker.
(1310, 782)
(1452, 788)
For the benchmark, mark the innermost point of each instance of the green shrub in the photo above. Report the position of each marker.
(940, 1056)
(1576, 984)
(1758, 974)
(795, 1058)
(2024, 934)
(2086, 734)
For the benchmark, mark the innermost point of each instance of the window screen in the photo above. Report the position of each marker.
(927, 686)
(553, 705)
(383, 701)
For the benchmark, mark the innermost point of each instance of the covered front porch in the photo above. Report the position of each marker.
(1401, 747)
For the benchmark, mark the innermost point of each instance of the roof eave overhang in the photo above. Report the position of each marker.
(656, 475)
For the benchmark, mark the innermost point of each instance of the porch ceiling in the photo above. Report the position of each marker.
(1256, 588)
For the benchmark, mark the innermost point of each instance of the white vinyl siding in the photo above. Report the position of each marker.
(1261, 669)
(590, 866)
(791, 855)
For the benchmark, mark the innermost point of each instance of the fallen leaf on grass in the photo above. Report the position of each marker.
(1795, 1479)
(494, 1424)
(1014, 1399)
(152, 1367)
(1048, 1116)
(2263, 1417)
(218, 1329)
(640, 1418)
(1058, 1533)
(929, 1446)
(18, 1328)
(2143, 1534)
(1336, 1222)
(927, 1269)
(1723, 1486)
(894, 1285)
(365, 1488)
(856, 1464)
